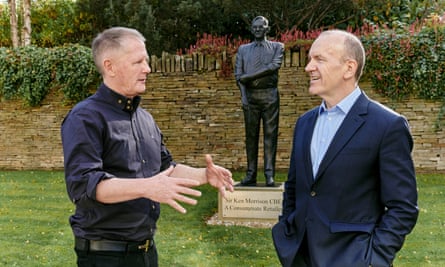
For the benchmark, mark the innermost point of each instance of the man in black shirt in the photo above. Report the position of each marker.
(256, 74)
(117, 168)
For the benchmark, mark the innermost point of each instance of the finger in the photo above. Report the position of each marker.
(177, 206)
(186, 200)
(209, 161)
(228, 177)
(185, 182)
(174, 204)
(228, 180)
(188, 191)
(222, 191)
(229, 187)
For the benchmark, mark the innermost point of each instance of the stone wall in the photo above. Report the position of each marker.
(199, 113)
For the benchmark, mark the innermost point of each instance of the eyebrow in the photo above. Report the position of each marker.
(316, 56)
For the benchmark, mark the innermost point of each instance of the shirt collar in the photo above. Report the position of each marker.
(345, 105)
(260, 43)
(124, 103)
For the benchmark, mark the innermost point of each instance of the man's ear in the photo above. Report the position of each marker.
(108, 67)
(351, 69)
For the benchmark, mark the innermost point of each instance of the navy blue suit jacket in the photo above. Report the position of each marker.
(363, 200)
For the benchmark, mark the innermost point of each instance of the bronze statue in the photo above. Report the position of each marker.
(256, 73)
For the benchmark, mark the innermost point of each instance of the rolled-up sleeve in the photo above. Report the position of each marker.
(278, 52)
(82, 150)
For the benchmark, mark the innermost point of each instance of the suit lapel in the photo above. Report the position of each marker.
(309, 131)
(352, 122)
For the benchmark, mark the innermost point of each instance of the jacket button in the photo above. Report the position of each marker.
(313, 194)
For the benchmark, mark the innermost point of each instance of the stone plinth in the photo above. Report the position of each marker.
(251, 204)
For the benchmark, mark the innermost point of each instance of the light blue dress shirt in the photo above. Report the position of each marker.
(328, 122)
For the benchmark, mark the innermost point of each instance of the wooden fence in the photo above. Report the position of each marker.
(203, 62)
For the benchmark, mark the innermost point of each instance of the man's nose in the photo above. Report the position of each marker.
(309, 67)
(147, 68)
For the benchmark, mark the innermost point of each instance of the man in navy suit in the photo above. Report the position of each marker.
(350, 198)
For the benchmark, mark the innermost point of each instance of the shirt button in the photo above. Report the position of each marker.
(313, 193)
(119, 101)
(143, 161)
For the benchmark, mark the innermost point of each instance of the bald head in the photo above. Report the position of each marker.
(351, 46)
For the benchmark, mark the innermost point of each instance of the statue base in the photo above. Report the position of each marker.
(250, 206)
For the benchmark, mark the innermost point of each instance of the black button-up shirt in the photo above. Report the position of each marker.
(108, 135)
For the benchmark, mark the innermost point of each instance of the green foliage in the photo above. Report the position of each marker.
(5, 30)
(139, 14)
(429, 68)
(25, 72)
(75, 71)
(53, 23)
(35, 70)
(389, 63)
(10, 75)
(402, 61)
(172, 25)
(30, 72)
(396, 13)
(408, 62)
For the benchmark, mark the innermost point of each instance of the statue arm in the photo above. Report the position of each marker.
(242, 89)
(238, 75)
(274, 65)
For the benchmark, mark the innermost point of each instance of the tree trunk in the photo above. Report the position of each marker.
(26, 30)
(13, 21)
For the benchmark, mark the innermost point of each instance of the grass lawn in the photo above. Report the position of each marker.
(34, 229)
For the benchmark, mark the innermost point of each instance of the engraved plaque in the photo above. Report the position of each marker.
(252, 202)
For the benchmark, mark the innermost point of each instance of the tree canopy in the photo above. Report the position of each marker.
(174, 25)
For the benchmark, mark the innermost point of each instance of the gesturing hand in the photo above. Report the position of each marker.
(170, 190)
(218, 177)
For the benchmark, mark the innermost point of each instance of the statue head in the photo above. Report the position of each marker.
(260, 28)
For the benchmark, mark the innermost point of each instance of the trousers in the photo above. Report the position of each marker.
(117, 259)
(264, 106)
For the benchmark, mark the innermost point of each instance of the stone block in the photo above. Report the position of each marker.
(252, 204)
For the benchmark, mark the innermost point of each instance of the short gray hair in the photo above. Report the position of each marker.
(266, 21)
(112, 39)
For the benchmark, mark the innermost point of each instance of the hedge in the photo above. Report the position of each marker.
(31, 72)
(408, 62)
